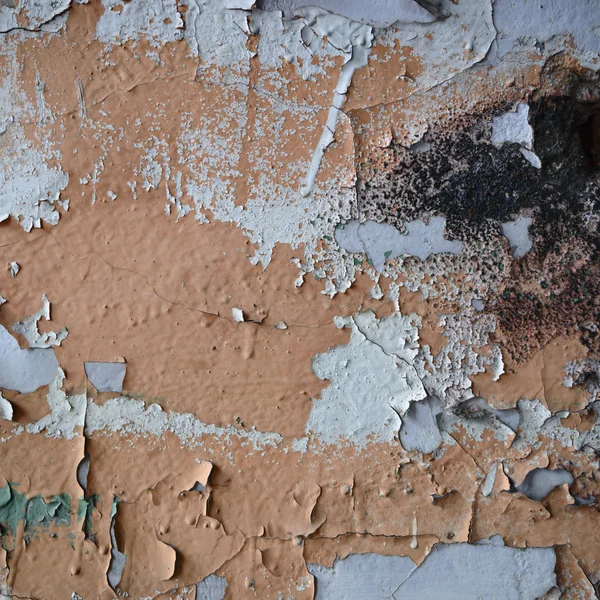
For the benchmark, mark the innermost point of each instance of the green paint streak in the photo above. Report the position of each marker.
(16, 507)
(84, 512)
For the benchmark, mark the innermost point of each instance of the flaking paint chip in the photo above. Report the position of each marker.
(106, 376)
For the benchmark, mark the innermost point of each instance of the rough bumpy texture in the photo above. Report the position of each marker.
(319, 299)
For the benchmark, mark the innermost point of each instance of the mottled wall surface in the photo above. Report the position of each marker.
(299, 302)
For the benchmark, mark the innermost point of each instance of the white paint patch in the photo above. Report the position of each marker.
(372, 380)
(123, 21)
(517, 234)
(355, 41)
(33, 15)
(380, 241)
(29, 188)
(379, 13)
(518, 22)
(514, 127)
(536, 421)
(24, 371)
(67, 413)
(6, 409)
(28, 328)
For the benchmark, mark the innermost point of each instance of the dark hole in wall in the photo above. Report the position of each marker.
(589, 135)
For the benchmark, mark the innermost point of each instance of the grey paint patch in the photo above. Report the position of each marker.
(211, 588)
(509, 416)
(380, 241)
(451, 571)
(419, 430)
(29, 330)
(117, 558)
(83, 470)
(420, 147)
(106, 376)
(490, 479)
(477, 304)
(540, 482)
(24, 371)
(477, 417)
(376, 12)
(517, 234)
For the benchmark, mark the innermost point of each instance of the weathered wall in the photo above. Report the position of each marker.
(299, 302)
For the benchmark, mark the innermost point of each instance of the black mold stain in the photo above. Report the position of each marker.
(555, 289)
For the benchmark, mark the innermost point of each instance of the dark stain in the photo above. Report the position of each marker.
(555, 289)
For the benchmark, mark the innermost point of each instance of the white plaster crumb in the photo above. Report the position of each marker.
(111, 195)
(300, 445)
(6, 409)
(238, 314)
(127, 415)
(281, 325)
(532, 157)
(14, 268)
(514, 127)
